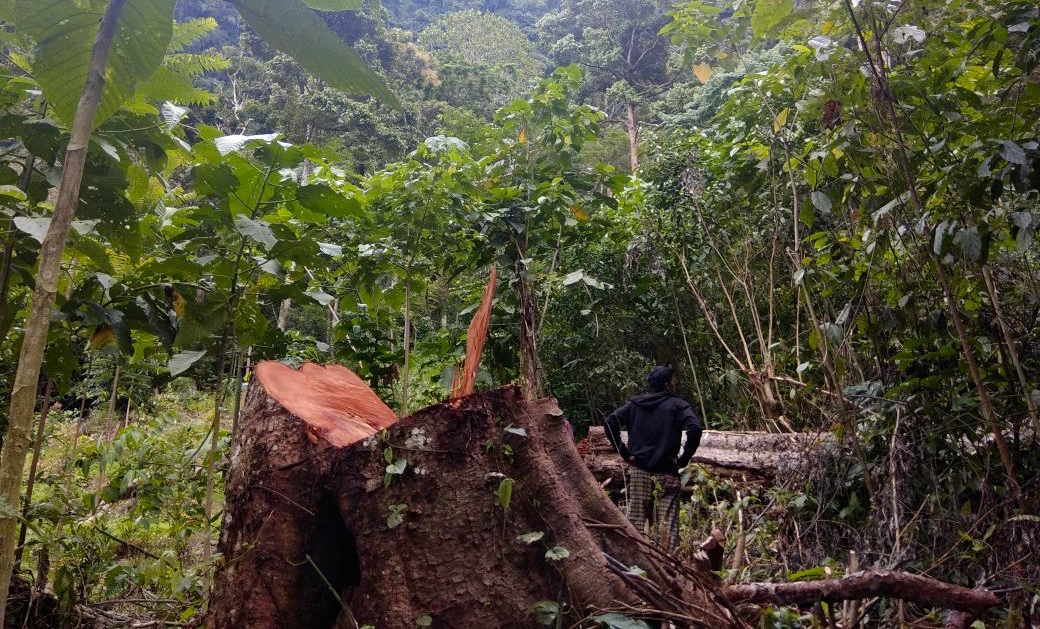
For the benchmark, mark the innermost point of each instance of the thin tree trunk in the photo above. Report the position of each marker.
(27, 376)
(283, 314)
(689, 359)
(109, 430)
(406, 373)
(37, 447)
(236, 378)
(238, 395)
(530, 363)
(632, 125)
(1009, 341)
(214, 438)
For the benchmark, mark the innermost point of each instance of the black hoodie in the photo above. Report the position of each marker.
(655, 424)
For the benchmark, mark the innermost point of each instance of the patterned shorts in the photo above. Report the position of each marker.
(654, 498)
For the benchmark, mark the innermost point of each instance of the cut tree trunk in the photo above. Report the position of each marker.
(336, 516)
(759, 457)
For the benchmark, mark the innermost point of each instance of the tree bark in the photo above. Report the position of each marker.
(33, 466)
(317, 533)
(632, 126)
(27, 376)
(866, 584)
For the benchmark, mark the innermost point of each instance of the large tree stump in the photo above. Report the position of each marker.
(414, 521)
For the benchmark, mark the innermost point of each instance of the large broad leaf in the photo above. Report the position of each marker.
(298, 31)
(769, 13)
(183, 361)
(64, 32)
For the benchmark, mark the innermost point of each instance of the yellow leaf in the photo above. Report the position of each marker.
(179, 304)
(780, 120)
(523, 137)
(579, 213)
(103, 337)
(702, 71)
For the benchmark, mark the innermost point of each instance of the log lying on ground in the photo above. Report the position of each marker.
(437, 516)
(912, 588)
(748, 456)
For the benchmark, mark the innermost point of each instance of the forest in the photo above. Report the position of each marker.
(312, 311)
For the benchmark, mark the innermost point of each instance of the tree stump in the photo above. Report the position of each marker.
(473, 513)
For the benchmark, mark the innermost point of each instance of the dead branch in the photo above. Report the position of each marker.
(868, 583)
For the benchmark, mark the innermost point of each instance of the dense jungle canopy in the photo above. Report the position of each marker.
(822, 213)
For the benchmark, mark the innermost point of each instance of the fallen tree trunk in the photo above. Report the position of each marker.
(912, 588)
(747, 456)
(475, 513)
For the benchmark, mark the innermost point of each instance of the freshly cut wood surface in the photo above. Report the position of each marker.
(335, 403)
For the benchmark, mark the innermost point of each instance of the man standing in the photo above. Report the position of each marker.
(656, 421)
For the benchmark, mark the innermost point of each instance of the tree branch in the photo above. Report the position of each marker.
(868, 583)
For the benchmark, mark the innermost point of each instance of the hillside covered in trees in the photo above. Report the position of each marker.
(823, 214)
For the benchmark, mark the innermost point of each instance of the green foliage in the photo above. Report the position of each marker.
(294, 29)
(481, 57)
(62, 54)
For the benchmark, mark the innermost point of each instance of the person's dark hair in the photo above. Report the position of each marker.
(659, 378)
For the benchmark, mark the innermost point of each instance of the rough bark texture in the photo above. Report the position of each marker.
(866, 584)
(318, 535)
(748, 456)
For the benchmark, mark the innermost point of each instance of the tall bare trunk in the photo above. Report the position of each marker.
(406, 373)
(214, 438)
(632, 125)
(110, 430)
(27, 377)
(283, 314)
(33, 466)
(530, 363)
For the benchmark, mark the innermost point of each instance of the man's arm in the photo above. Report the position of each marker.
(694, 429)
(613, 425)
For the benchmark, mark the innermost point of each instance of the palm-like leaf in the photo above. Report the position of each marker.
(64, 32)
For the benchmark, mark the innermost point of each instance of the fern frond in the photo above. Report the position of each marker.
(196, 64)
(187, 33)
(167, 85)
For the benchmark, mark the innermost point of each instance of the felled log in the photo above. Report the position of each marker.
(912, 588)
(747, 456)
(466, 514)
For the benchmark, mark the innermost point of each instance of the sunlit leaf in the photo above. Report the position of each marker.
(183, 361)
(780, 121)
(768, 14)
(35, 227)
(104, 338)
(257, 230)
(530, 538)
(702, 71)
(505, 493)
